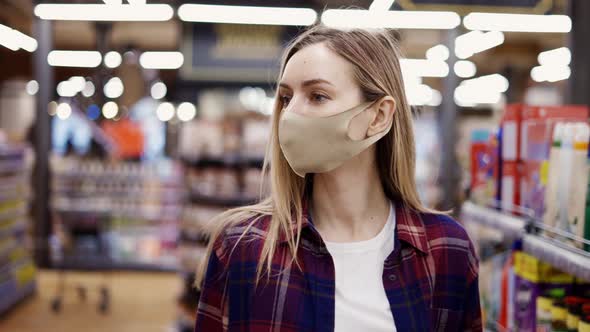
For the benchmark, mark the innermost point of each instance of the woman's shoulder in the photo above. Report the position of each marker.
(443, 226)
(247, 233)
(449, 241)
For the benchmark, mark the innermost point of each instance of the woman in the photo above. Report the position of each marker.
(343, 242)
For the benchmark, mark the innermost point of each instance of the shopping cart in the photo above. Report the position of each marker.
(78, 243)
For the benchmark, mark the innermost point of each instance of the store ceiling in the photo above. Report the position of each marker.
(519, 49)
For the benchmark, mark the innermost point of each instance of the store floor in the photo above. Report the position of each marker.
(139, 302)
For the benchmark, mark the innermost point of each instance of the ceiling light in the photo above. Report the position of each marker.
(66, 89)
(64, 111)
(247, 15)
(358, 18)
(88, 90)
(114, 88)
(494, 82)
(161, 60)
(476, 41)
(465, 69)
(466, 95)
(15, 40)
(84, 59)
(518, 22)
(186, 112)
(112, 59)
(165, 112)
(559, 56)
(550, 73)
(103, 12)
(438, 52)
(110, 110)
(424, 68)
(32, 87)
(158, 90)
(381, 4)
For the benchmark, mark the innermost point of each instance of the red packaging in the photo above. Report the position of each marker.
(511, 173)
(536, 139)
(511, 124)
(510, 155)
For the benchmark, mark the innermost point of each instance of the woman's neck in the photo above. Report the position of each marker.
(349, 203)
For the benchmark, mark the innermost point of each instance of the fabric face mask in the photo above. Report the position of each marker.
(321, 144)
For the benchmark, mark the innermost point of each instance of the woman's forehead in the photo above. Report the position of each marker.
(317, 62)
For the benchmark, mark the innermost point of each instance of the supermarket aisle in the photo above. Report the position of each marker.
(143, 302)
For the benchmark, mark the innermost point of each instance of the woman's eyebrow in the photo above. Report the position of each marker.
(307, 83)
(316, 81)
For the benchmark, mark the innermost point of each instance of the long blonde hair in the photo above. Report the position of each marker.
(375, 56)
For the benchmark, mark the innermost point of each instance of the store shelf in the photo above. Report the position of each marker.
(512, 227)
(221, 201)
(566, 258)
(13, 294)
(96, 264)
(15, 212)
(14, 229)
(12, 166)
(227, 162)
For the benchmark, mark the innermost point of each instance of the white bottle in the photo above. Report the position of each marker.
(550, 214)
(566, 158)
(579, 180)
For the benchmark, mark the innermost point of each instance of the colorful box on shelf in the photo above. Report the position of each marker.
(533, 278)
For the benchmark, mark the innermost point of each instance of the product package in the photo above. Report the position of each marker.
(483, 166)
(510, 157)
(537, 146)
(532, 279)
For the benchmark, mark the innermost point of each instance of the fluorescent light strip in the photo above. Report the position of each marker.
(558, 56)
(83, 59)
(494, 82)
(465, 68)
(381, 4)
(468, 96)
(247, 15)
(550, 73)
(357, 18)
(104, 12)
(161, 60)
(438, 52)
(15, 40)
(518, 22)
(476, 41)
(424, 68)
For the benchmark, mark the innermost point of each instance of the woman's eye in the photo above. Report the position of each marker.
(318, 98)
(285, 100)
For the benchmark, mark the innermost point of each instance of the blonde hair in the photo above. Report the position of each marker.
(375, 56)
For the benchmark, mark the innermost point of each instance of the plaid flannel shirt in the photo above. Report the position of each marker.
(430, 279)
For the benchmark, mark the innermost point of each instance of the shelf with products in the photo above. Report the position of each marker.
(223, 152)
(122, 215)
(538, 243)
(511, 227)
(17, 271)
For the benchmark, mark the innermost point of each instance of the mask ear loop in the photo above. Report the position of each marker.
(368, 105)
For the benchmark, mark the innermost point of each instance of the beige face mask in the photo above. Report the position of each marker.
(321, 144)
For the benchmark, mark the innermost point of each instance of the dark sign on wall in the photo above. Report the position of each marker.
(465, 6)
(234, 52)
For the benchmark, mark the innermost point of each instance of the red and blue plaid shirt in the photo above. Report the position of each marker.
(430, 279)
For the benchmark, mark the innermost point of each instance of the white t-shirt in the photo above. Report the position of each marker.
(361, 303)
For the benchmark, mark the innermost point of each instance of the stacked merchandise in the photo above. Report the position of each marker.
(537, 164)
(17, 272)
(534, 296)
(535, 168)
(117, 214)
(224, 170)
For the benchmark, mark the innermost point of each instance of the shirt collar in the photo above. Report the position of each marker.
(409, 226)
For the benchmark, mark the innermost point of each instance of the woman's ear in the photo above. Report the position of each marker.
(383, 116)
